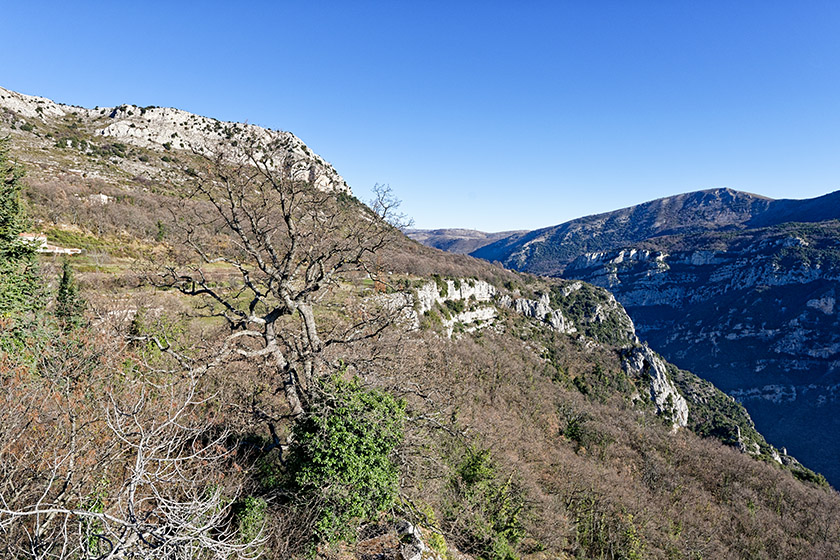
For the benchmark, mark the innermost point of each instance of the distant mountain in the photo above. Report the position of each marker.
(461, 241)
(739, 288)
(549, 250)
(826, 207)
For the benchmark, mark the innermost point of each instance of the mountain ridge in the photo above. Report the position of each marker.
(549, 250)
(747, 301)
(156, 128)
(457, 240)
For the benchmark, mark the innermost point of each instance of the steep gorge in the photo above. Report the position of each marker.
(739, 288)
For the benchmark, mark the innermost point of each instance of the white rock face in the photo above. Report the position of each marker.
(617, 257)
(472, 320)
(470, 290)
(100, 199)
(540, 309)
(412, 546)
(664, 394)
(824, 304)
(172, 129)
(32, 107)
(479, 291)
(533, 308)
(820, 394)
(429, 294)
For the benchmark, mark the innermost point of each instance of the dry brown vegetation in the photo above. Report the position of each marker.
(623, 485)
(505, 454)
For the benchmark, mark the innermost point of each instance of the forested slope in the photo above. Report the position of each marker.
(240, 364)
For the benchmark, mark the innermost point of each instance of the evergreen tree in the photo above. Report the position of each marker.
(69, 306)
(12, 216)
(19, 282)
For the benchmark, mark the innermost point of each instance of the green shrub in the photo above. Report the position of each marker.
(341, 455)
(431, 320)
(252, 516)
(160, 235)
(19, 276)
(69, 306)
(442, 285)
(456, 306)
(603, 532)
(486, 510)
(807, 475)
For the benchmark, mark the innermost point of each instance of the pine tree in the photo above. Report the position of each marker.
(69, 307)
(12, 216)
(19, 281)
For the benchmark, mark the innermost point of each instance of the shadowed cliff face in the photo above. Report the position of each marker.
(754, 311)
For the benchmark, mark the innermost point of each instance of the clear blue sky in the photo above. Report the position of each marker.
(488, 115)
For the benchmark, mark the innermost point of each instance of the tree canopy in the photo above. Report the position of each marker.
(18, 265)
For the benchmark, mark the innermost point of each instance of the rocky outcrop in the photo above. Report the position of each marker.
(412, 546)
(455, 290)
(32, 107)
(166, 129)
(642, 363)
(539, 309)
(475, 310)
(163, 127)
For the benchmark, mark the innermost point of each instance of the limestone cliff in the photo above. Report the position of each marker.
(107, 135)
(754, 311)
(643, 362)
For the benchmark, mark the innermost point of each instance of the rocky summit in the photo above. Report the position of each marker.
(96, 140)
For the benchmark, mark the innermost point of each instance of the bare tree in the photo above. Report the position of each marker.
(139, 473)
(288, 244)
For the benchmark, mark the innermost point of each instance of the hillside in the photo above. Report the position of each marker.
(461, 241)
(733, 286)
(241, 364)
(549, 250)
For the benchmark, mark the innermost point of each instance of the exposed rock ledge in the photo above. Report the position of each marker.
(468, 290)
(539, 309)
(164, 128)
(642, 361)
